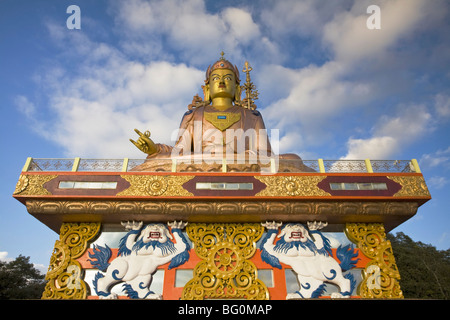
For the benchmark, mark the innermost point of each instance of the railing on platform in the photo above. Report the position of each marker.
(124, 165)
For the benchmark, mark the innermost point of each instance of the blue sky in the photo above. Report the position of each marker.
(334, 88)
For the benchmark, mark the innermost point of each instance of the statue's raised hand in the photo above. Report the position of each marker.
(144, 143)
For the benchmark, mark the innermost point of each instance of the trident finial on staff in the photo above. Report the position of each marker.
(247, 69)
(250, 92)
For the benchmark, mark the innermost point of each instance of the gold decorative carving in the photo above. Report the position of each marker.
(31, 185)
(222, 208)
(22, 184)
(412, 186)
(49, 212)
(65, 274)
(279, 186)
(144, 185)
(225, 271)
(381, 276)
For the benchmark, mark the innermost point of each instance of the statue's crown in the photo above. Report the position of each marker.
(222, 63)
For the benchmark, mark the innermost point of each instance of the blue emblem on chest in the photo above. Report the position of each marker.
(221, 117)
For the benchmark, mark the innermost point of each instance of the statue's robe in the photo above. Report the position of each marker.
(215, 134)
(206, 136)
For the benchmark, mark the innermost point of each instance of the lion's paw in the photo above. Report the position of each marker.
(293, 296)
(133, 225)
(337, 295)
(109, 297)
(272, 225)
(316, 225)
(177, 225)
(154, 296)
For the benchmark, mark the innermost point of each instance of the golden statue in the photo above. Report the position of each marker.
(219, 126)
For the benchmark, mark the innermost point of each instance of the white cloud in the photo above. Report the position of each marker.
(139, 15)
(25, 106)
(352, 40)
(315, 96)
(97, 106)
(290, 142)
(443, 238)
(391, 134)
(96, 115)
(442, 105)
(367, 66)
(187, 28)
(241, 24)
(411, 121)
(372, 148)
(440, 158)
(437, 182)
(4, 256)
(40, 267)
(94, 111)
(293, 17)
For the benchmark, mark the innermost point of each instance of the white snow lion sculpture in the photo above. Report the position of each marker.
(138, 259)
(309, 255)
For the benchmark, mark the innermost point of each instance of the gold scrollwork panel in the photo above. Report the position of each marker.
(282, 186)
(31, 184)
(143, 185)
(225, 271)
(412, 186)
(381, 275)
(64, 274)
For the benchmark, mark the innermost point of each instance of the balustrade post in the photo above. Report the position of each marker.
(174, 165)
(27, 164)
(368, 166)
(321, 166)
(125, 165)
(416, 166)
(76, 163)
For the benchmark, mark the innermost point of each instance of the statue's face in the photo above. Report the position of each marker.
(222, 83)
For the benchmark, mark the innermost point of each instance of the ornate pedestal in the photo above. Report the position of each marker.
(247, 235)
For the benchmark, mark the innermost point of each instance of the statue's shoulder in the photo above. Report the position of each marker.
(188, 115)
(256, 113)
(189, 112)
(196, 106)
(253, 113)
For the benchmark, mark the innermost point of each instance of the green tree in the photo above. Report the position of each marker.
(424, 270)
(20, 280)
